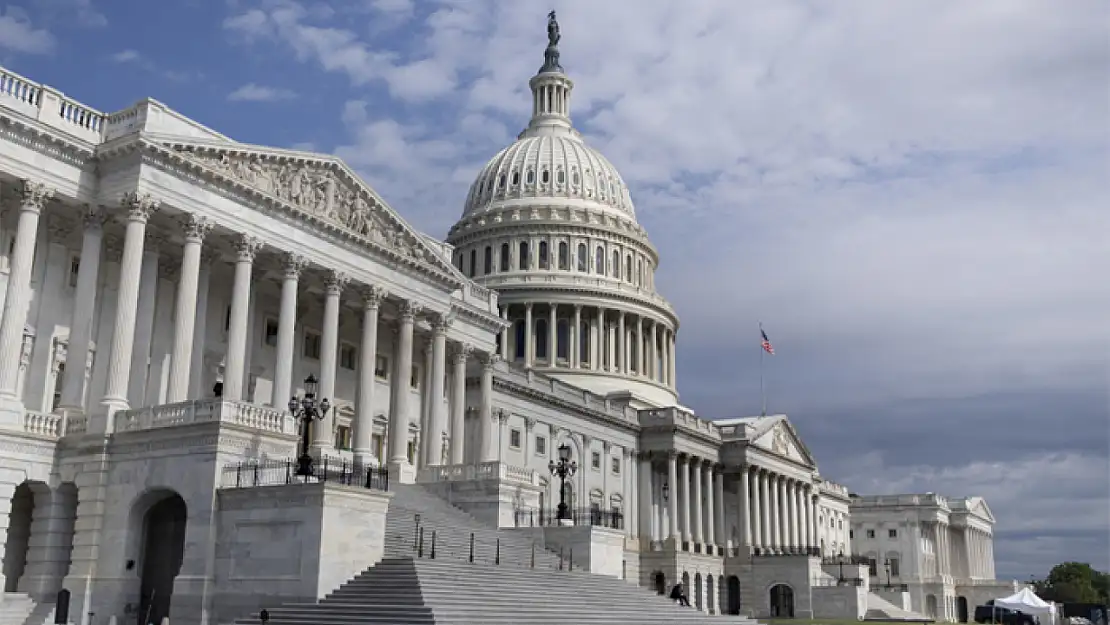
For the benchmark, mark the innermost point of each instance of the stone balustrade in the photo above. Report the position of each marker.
(42, 424)
(205, 410)
(50, 106)
(481, 471)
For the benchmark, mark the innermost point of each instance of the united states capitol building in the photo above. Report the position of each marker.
(168, 289)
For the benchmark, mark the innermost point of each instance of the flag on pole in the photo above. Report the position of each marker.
(767, 347)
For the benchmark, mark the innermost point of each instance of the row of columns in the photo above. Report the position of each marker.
(617, 342)
(780, 510)
(942, 561)
(577, 254)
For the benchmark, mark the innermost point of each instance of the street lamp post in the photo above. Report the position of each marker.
(306, 410)
(886, 564)
(563, 469)
(840, 561)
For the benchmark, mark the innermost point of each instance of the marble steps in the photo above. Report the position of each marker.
(411, 592)
(18, 608)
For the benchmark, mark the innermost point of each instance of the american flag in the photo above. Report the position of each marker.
(767, 347)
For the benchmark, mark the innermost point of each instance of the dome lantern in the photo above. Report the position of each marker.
(550, 89)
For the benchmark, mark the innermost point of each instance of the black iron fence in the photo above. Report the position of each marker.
(580, 516)
(846, 560)
(891, 587)
(435, 544)
(837, 581)
(271, 472)
(768, 552)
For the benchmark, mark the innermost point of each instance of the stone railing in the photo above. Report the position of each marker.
(204, 411)
(50, 106)
(682, 419)
(482, 471)
(42, 424)
(528, 378)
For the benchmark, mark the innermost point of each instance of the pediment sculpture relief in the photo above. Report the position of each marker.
(780, 444)
(318, 191)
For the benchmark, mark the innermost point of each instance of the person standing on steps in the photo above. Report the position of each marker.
(679, 595)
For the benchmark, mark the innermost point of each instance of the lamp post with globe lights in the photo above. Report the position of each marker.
(306, 410)
(563, 469)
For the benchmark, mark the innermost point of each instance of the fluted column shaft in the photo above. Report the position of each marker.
(529, 329)
(811, 537)
(795, 525)
(286, 335)
(200, 327)
(236, 360)
(775, 538)
(322, 438)
(596, 344)
(399, 420)
(653, 353)
(698, 504)
(748, 516)
(710, 502)
(672, 477)
(18, 297)
(438, 417)
(185, 315)
(458, 406)
(684, 478)
(485, 412)
(673, 377)
(372, 298)
(144, 322)
(429, 449)
(504, 351)
(761, 527)
(645, 488)
(721, 532)
(127, 298)
(84, 305)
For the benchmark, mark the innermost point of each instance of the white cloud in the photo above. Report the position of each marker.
(127, 56)
(910, 195)
(17, 34)
(251, 92)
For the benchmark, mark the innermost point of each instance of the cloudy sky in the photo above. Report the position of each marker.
(910, 195)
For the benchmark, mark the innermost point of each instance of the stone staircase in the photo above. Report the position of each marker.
(18, 608)
(447, 592)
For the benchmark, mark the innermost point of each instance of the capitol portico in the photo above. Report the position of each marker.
(167, 288)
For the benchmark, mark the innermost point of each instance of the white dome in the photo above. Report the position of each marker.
(556, 164)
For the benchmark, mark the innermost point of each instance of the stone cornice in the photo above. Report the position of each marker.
(484, 320)
(44, 140)
(518, 390)
(174, 161)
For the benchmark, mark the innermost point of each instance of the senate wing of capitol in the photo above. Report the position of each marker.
(505, 400)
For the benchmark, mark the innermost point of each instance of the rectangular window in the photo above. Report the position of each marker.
(271, 333)
(348, 357)
(381, 367)
(851, 533)
(872, 567)
(311, 345)
(74, 269)
(893, 567)
(59, 382)
(514, 438)
(870, 533)
(541, 446)
(377, 442)
(343, 437)
(616, 465)
(595, 460)
(414, 377)
(892, 534)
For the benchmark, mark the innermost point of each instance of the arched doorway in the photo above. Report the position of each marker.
(710, 595)
(163, 532)
(19, 536)
(931, 606)
(660, 583)
(782, 601)
(698, 592)
(961, 609)
(733, 595)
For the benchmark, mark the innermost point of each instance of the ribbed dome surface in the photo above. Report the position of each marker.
(551, 165)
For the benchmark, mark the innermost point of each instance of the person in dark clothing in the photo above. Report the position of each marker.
(679, 595)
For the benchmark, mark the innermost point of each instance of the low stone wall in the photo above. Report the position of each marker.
(292, 542)
(597, 549)
(839, 602)
(899, 598)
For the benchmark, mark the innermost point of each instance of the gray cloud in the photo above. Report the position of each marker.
(911, 196)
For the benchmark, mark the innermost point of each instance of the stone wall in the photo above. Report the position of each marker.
(765, 573)
(839, 602)
(295, 542)
(597, 549)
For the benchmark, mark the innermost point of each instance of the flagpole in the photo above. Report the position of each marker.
(762, 389)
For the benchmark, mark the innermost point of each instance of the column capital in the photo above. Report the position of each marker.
(502, 416)
(409, 309)
(490, 360)
(529, 424)
(335, 282)
(440, 323)
(195, 227)
(292, 265)
(34, 195)
(528, 305)
(139, 207)
(94, 216)
(461, 353)
(246, 247)
(373, 296)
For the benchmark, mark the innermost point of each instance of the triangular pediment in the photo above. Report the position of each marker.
(324, 189)
(978, 507)
(779, 437)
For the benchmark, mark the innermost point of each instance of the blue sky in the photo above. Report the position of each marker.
(911, 196)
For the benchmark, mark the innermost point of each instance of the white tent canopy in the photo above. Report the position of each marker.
(1027, 601)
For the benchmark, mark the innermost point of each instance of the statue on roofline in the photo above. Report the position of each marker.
(551, 54)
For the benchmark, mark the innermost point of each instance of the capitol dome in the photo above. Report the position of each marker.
(549, 224)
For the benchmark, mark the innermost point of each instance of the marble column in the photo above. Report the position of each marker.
(139, 209)
(323, 439)
(596, 358)
(631, 509)
(144, 321)
(197, 380)
(811, 537)
(641, 356)
(552, 335)
(795, 515)
(529, 341)
(399, 466)
(434, 395)
(292, 266)
(504, 350)
(684, 479)
(185, 311)
(744, 508)
(721, 533)
(711, 500)
(776, 513)
(699, 502)
(653, 353)
(372, 298)
(673, 377)
(485, 410)
(428, 447)
(644, 529)
(672, 508)
(763, 502)
(33, 200)
(236, 359)
(84, 308)
(457, 446)
(576, 338)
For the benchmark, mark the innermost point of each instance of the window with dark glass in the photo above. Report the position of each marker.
(473, 262)
(599, 260)
(543, 255)
(504, 263)
(522, 258)
(628, 268)
(617, 265)
(487, 262)
(518, 351)
(541, 338)
(563, 336)
(582, 257)
(564, 260)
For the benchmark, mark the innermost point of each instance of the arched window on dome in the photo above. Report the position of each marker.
(563, 336)
(639, 271)
(561, 177)
(473, 262)
(628, 268)
(504, 264)
(516, 178)
(544, 260)
(599, 260)
(582, 257)
(545, 176)
(487, 262)
(574, 179)
(585, 356)
(540, 339)
(522, 258)
(564, 254)
(501, 182)
(616, 264)
(519, 340)
(530, 177)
